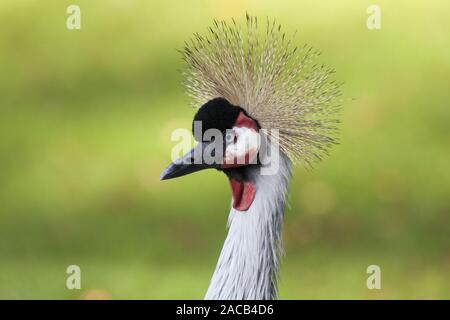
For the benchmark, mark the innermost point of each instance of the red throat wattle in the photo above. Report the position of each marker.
(243, 191)
(243, 194)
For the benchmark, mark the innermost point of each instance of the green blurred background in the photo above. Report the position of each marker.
(86, 118)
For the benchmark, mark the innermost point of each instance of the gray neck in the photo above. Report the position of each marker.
(249, 262)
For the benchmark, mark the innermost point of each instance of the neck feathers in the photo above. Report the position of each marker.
(249, 262)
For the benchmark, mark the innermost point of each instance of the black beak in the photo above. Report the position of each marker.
(191, 162)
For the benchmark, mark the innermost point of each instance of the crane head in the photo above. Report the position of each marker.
(228, 141)
(227, 138)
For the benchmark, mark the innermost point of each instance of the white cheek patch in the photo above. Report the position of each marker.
(245, 149)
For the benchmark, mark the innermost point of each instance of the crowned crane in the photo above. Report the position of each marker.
(252, 81)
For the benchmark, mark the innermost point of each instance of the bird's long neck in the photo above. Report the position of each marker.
(248, 264)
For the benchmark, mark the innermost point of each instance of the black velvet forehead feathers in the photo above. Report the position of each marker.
(217, 113)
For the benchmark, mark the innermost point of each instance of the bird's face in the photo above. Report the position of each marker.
(228, 138)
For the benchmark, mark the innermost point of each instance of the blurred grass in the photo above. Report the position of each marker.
(85, 127)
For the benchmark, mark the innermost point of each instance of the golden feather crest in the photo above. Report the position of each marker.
(279, 84)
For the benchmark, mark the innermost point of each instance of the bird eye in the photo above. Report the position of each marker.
(230, 137)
